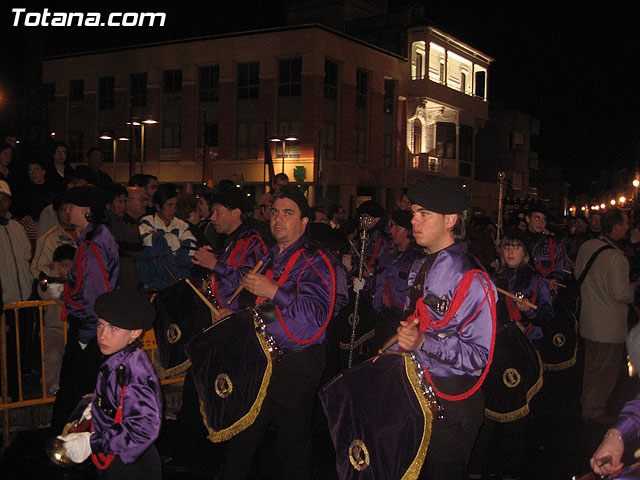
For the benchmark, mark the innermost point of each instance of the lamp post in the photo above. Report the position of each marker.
(108, 136)
(141, 123)
(284, 141)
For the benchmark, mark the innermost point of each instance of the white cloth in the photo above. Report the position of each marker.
(175, 233)
(77, 446)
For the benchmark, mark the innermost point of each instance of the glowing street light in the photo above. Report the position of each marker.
(108, 136)
(140, 123)
(284, 145)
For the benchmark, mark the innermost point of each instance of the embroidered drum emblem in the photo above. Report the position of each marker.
(173, 333)
(511, 377)
(359, 455)
(223, 385)
(559, 340)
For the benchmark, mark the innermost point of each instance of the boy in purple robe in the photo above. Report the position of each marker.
(126, 408)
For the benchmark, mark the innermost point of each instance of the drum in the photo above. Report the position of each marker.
(181, 314)
(514, 377)
(231, 363)
(380, 414)
(559, 343)
(365, 331)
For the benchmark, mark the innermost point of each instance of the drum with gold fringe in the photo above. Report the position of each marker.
(231, 363)
(181, 314)
(514, 377)
(380, 418)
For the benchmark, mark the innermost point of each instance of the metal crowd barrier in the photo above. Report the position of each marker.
(13, 325)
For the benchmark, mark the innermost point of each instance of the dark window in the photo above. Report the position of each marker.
(361, 146)
(106, 97)
(76, 90)
(330, 80)
(389, 96)
(466, 143)
(290, 77)
(387, 150)
(138, 89)
(211, 135)
(172, 82)
(49, 92)
(210, 83)
(362, 89)
(248, 80)
(480, 84)
(446, 140)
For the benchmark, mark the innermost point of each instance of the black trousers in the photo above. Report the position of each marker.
(453, 436)
(146, 467)
(78, 376)
(287, 407)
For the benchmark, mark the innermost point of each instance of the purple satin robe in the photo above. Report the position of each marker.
(305, 298)
(454, 350)
(142, 406)
(530, 285)
(93, 284)
(240, 256)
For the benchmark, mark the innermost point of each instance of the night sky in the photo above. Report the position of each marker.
(573, 68)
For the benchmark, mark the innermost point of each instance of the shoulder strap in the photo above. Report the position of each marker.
(587, 267)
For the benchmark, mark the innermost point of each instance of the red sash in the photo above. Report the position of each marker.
(426, 321)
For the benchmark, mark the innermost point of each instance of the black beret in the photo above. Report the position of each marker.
(539, 207)
(294, 194)
(402, 218)
(233, 197)
(86, 196)
(126, 309)
(441, 195)
(371, 208)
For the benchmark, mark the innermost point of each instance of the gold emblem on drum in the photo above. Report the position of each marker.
(359, 455)
(559, 340)
(223, 385)
(173, 333)
(511, 377)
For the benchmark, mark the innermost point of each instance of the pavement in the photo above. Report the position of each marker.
(558, 443)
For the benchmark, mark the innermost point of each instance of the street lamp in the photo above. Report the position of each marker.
(108, 136)
(284, 141)
(141, 123)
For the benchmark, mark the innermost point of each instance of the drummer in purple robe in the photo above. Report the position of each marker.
(299, 291)
(454, 305)
(389, 282)
(550, 259)
(238, 250)
(126, 408)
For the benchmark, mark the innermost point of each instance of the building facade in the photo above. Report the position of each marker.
(367, 122)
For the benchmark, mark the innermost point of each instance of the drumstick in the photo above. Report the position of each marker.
(202, 297)
(354, 248)
(239, 289)
(394, 339)
(523, 300)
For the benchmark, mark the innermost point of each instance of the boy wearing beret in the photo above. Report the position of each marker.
(126, 407)
(449, 323)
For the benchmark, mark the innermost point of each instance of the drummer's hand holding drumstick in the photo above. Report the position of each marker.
(205, 257)
(606, 459)
(259, 285)
(409, 336)
(522, 306)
